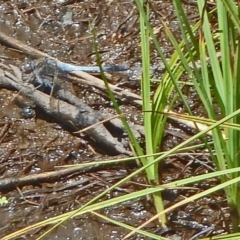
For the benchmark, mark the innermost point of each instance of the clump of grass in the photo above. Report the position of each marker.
(216, 81)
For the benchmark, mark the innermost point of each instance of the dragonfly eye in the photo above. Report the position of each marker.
(28, 66)
(50, 61)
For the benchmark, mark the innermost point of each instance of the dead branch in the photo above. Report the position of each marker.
(72, 116)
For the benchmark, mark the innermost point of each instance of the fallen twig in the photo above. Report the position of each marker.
(11, 183)
(89, 79)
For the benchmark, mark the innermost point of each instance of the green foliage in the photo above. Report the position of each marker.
(218, 81)
(3, 201)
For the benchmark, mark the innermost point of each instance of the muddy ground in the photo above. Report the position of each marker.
(37, 143)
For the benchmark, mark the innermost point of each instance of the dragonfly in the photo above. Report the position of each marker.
(48, 67)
